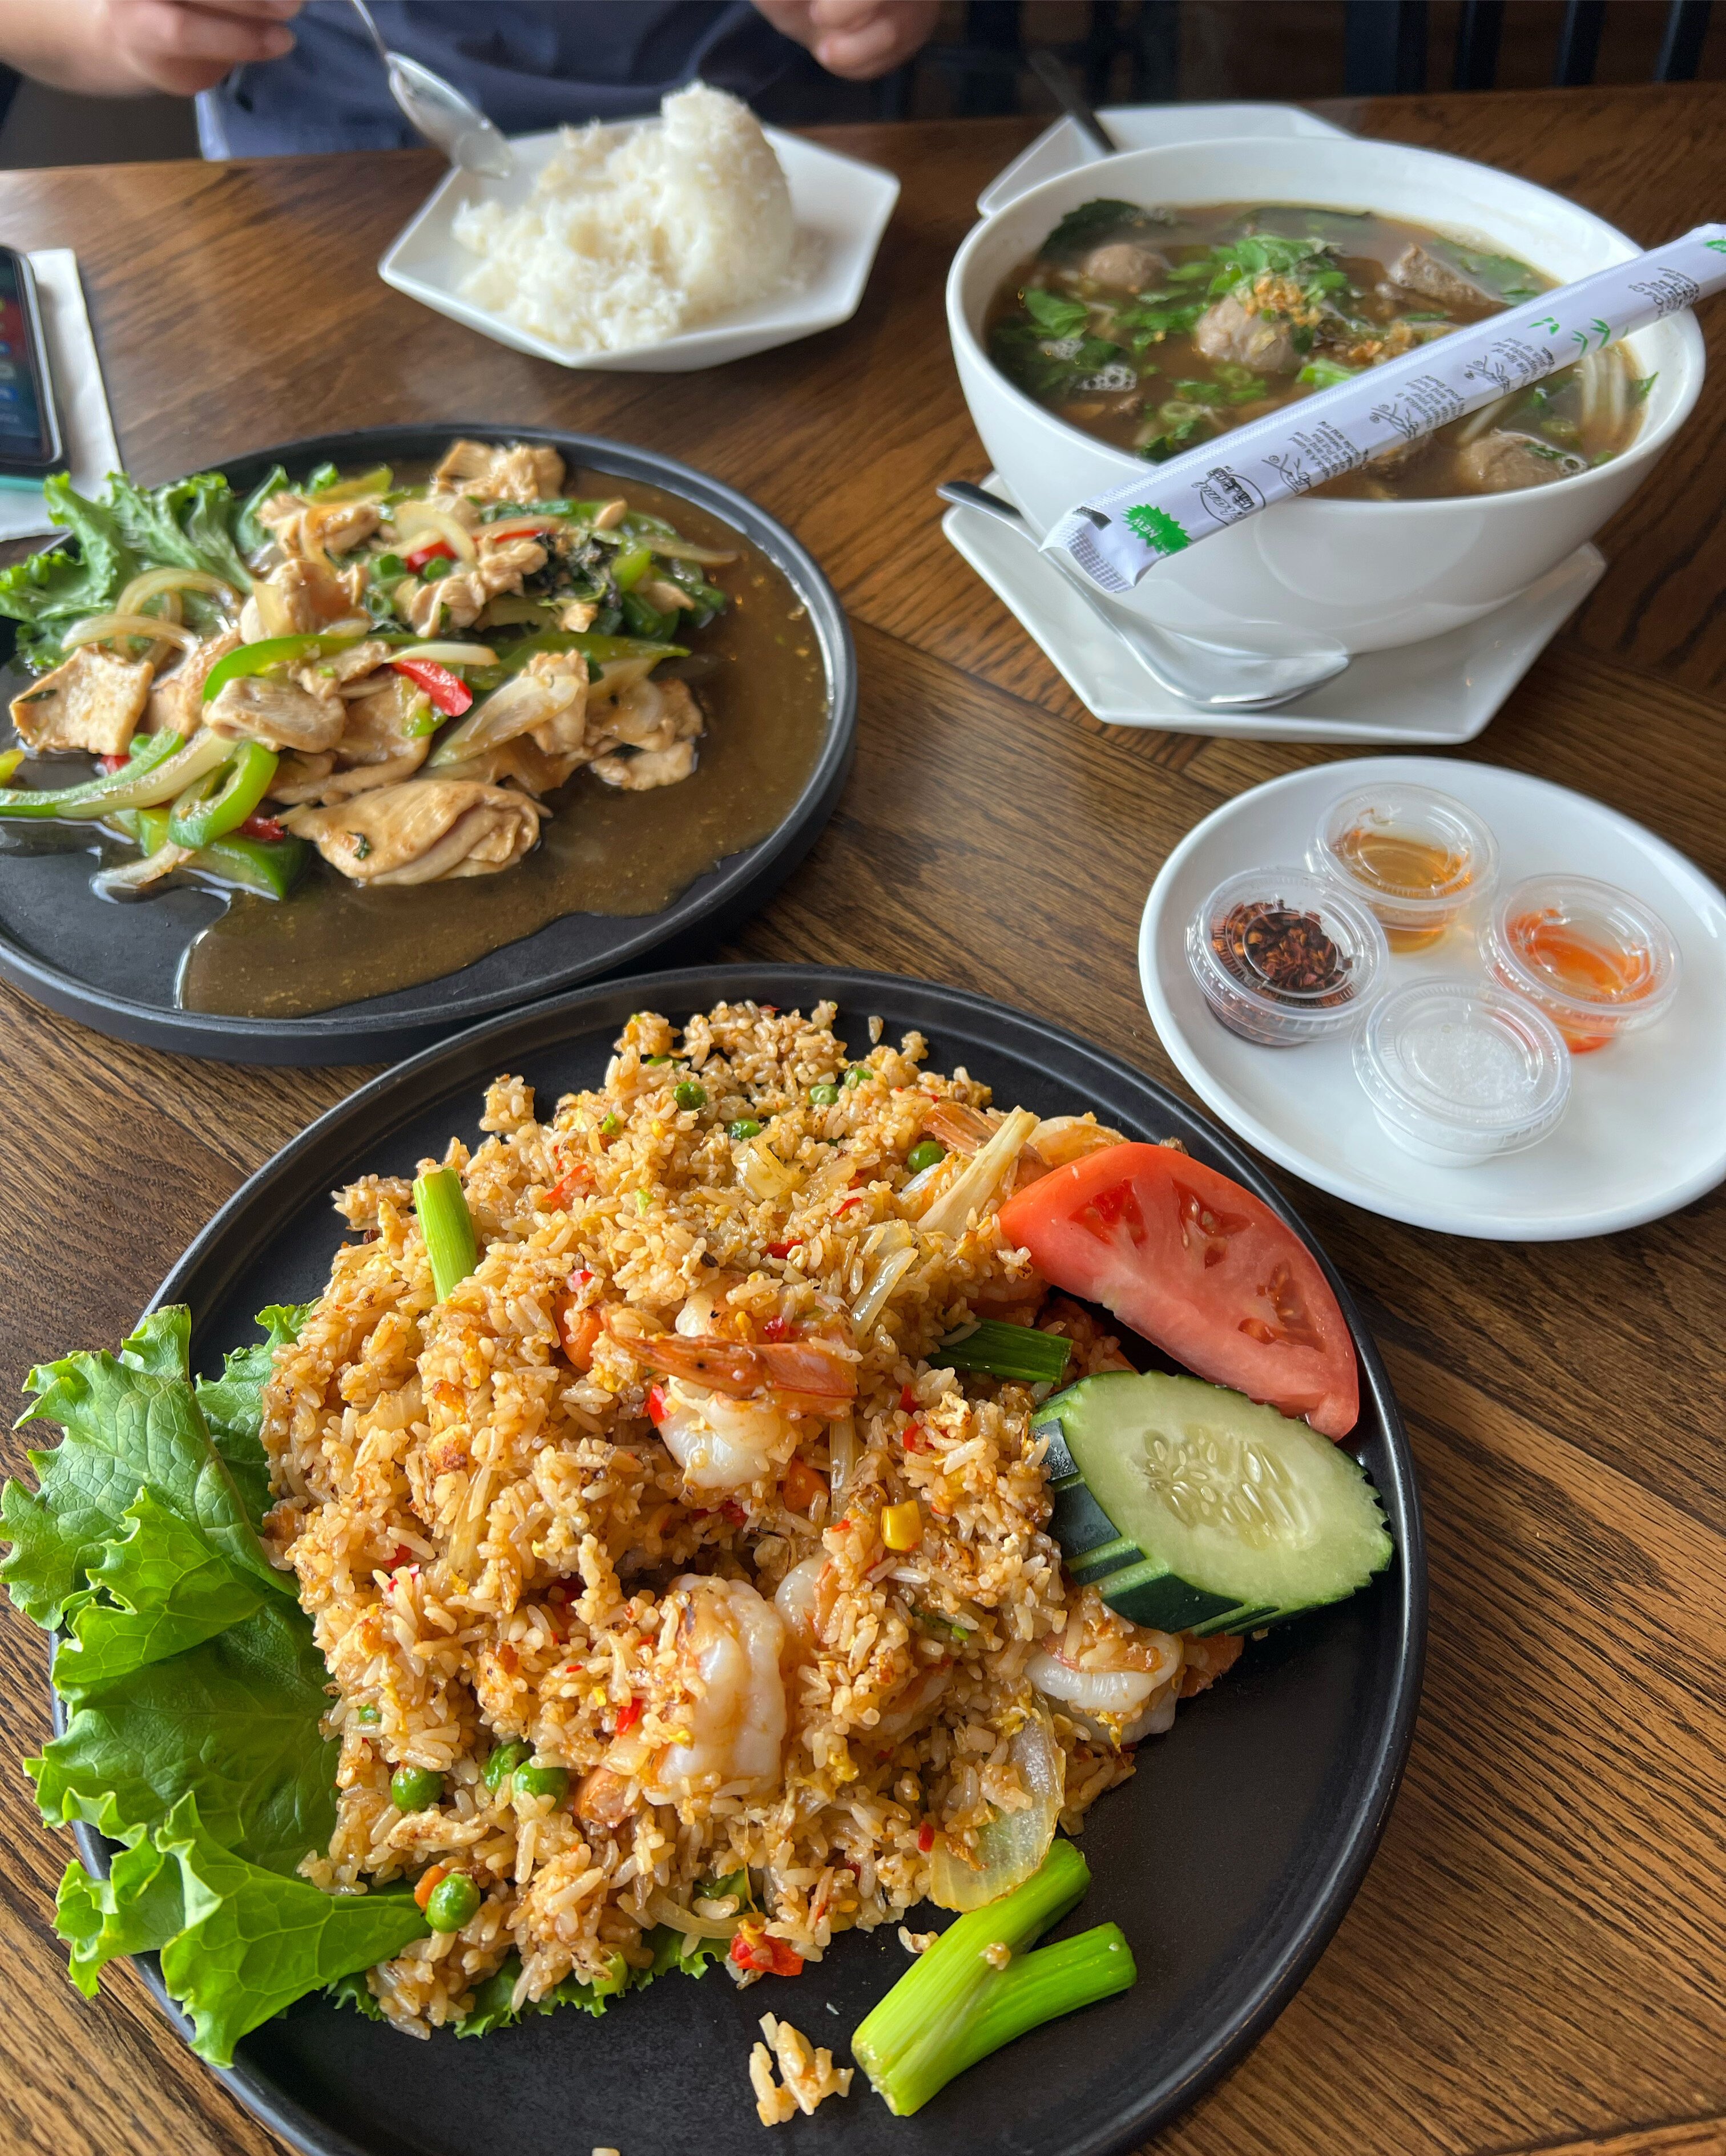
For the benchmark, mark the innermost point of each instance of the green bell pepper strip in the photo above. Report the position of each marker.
(596, 649)
(221, 802)
(271, 867)
(629, 565)
(154, 774)
(271, 652)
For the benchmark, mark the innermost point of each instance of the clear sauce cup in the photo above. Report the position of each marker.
(1596, 959)
(1459, 1071)
(1413, 855)
(1284, 957)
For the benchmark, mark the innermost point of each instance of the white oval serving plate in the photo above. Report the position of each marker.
(1646, 1131)
(841, 205)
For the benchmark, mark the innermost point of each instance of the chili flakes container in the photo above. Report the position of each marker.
(1284, 957)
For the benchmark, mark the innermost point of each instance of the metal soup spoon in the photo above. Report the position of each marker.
(1047, 69)
(1212, 677)
(437, 110)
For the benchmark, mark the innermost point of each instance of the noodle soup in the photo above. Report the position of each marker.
(1159, 331)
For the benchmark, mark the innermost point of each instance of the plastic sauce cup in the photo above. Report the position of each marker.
(1459, 1071)
(1596, 960)
(1414, 856)
(1284, 957)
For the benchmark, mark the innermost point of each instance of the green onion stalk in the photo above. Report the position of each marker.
(1018, 1352)
(448, 1227)
(956, 2006)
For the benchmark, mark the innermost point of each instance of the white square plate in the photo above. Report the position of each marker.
(1059, 148)
(1643, 1134)
(841, 206)
(1436, 693)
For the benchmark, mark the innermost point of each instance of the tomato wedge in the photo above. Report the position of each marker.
(1200, 1266)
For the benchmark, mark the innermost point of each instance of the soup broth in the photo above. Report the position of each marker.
(1160, 330)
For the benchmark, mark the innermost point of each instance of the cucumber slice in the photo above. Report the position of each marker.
(1193, 1509)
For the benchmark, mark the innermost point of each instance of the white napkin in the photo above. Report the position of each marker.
(86, 425)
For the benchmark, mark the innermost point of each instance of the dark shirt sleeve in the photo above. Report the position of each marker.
(531, 64)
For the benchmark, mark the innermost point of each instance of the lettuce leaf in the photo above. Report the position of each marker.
(128, 1421)
(238, 1942)
(255, 1942)
(165, 1587)
(233, 1722)
(672, 1949)
(233, 1404)
(58, 585)
(250, 535)
(136, 1909)
(188, 524)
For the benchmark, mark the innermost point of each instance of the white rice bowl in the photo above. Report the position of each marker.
(628, 241)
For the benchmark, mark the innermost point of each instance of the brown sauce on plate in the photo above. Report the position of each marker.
(759, 674)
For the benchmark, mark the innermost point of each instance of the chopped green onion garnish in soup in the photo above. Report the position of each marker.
(1160, 330)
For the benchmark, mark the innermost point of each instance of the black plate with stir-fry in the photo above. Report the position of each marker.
(359, 739)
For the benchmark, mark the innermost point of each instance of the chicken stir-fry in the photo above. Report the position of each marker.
(397, 677)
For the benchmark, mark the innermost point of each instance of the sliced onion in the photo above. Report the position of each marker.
(520, 528)
(842, 1455)
(449, 654)
(154, 582)
(617, 674)
(411, 516)
(764, 1174)
(889, 1252)
(685, 550)
(137, 875)
(665, 1911)
(103, 627)
(1014, 1844)
(983, 1177)
(273, 619)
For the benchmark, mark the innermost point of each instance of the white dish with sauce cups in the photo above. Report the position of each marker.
(1642, 1133)
(1369, 575)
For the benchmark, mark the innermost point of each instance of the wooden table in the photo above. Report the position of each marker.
(1535, 1960)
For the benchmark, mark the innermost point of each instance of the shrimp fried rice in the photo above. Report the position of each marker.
(720, 1605)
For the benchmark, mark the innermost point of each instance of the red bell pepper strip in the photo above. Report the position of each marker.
(447, 690)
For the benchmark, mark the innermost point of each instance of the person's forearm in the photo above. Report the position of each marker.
(60, 42)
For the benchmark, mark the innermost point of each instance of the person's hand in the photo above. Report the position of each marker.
(184, 46)
(859, 39)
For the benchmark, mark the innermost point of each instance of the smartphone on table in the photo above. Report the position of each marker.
(29, 426)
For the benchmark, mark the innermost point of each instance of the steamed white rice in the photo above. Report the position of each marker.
(628, 241)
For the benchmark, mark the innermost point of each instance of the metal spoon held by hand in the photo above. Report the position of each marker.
(1211, 677)
(438, 111)
(1067, 93)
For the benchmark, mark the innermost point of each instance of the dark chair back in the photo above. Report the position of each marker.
(1135, 51)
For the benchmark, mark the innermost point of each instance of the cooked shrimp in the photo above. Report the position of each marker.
(915, 1703)
(805, 1599)
(723, 1444)
(706, 1309)
(730, 1641)
(815, 1370)
(963, 1130)
(1104, 1670)
(1062, 1138)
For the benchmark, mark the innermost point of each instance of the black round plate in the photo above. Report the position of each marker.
(113, 967)
(1229, 1859)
